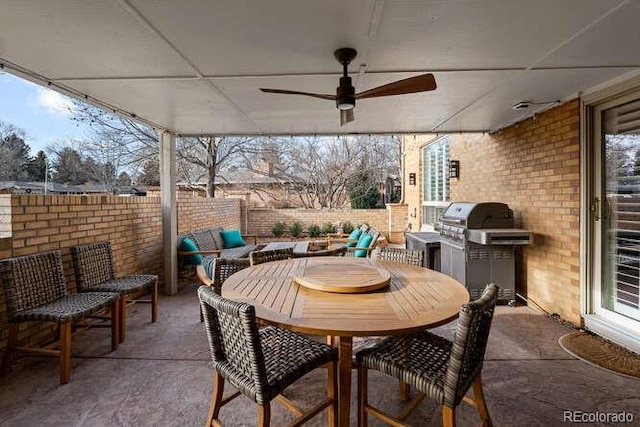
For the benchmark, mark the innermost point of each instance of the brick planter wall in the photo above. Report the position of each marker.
(262, 220)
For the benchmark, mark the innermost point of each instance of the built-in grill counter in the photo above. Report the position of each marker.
(477, 243)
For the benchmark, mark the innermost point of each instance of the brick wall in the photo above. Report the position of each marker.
(534, 167)
(196, 213)
(40, 223)
(5, 215)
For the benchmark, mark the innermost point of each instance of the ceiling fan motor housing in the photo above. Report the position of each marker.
(345, 94)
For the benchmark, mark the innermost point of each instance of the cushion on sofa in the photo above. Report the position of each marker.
(209, 264)
(215, 233)
(354, 236)
(232, 239)
(363, 242)
(204, 239)
(188, 245)
(239, 252)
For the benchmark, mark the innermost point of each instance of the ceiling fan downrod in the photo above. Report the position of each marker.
(345, 93)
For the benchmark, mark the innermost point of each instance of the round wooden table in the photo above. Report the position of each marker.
(416, 298)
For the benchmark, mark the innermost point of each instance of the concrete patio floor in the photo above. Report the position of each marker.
(161, 376)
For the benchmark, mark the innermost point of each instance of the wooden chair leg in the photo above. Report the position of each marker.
(8, 351)
(404, 391)
(362, 396)
(123, 316)
(65, 352)
(216, 399)
(154, 302)
(448, 416)
(332, 393)
(264, 415)
(481, 404)
(115, 324)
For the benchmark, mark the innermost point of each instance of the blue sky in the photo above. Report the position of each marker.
(42, 113)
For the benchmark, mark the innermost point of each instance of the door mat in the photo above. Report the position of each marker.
(600, 352)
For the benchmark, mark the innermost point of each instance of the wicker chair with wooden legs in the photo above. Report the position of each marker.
(259, 257)
(35, 290)
(404, 256)
(261, 363)
(214, 271)
(440, 369)
(95, 271)
(337, 251)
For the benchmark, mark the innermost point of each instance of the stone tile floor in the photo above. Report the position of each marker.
(160, 376)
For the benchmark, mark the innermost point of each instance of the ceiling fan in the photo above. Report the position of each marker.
(346, 95)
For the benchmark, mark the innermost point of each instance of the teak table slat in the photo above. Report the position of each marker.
(416, 298)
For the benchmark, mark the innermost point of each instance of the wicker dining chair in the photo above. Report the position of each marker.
(214, 271)
(337, 251)
(259, 257)
(440, 369)
(261, 363)
(404, 256)
(95, 271)
(35, 291)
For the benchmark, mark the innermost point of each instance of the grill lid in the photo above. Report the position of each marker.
(479, 215)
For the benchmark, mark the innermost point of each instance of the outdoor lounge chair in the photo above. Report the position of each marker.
(366, 244)
(350, 239)
(440, 369)
(260, 363)
(95, 271)
(36, 291)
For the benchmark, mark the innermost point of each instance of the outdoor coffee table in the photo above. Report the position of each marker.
(416, 298)
(298, 247)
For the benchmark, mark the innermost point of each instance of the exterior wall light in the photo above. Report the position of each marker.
(454, 168)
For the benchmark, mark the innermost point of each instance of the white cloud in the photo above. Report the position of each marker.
(54, 103)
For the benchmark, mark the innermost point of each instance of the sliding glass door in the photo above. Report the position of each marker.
(616, 212)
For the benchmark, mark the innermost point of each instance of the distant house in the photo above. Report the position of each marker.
(29, 187)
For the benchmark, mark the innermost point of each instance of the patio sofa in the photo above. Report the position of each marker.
(194, 245)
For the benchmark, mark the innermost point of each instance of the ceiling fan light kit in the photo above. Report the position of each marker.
(346, 95)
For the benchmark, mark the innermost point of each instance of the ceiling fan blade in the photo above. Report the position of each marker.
(415, 84)
(295, 92)
(346, 116)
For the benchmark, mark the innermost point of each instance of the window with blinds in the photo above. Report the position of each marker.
(621, 213)
(435, 198)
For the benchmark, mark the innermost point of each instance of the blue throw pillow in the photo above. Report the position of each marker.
(355, 235)
(188, 245)
(232, 239)
(363, 242)
(209, 265)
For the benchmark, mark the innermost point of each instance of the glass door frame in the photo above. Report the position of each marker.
(607, 323)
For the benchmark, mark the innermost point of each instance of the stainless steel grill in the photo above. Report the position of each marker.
(477, 242)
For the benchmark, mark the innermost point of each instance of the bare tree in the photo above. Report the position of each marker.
(200, 159)
(319, 170)
(123, 142)
(129, 145)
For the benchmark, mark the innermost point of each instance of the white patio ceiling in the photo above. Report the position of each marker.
(195, 66)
